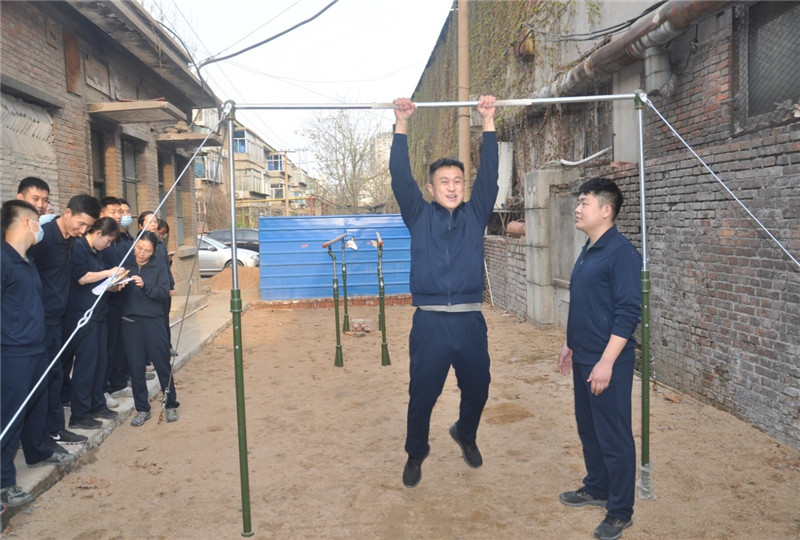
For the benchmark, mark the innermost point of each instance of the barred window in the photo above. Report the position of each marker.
(769, 66)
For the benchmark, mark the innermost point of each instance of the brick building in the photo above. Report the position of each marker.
(725, 323)
(97, 98)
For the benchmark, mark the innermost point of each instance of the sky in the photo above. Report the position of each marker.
(357, 51)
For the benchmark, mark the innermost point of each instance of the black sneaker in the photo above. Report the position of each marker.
(104, 413)
(469, 452)
(580, 498)
(68, 437)
(85, 423)
(611, 528)
(412, 473)
(57, 448)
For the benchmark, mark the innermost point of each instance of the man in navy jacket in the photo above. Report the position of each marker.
(446, 286)
(604, 310)
(22, 351)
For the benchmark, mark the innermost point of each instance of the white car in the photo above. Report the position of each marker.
(214, 256)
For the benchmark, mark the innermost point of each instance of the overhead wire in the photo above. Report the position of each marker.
(214, 59)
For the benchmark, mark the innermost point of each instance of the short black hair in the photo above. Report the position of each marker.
(12, 210)
(151, 237)
(443, 162)
(123, 201)
(107, 201)
(163, 225)
(605, 190)
(84, 204)
(32, 182)
(143, 218)
(107, 226)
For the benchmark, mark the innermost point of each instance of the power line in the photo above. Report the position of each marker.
(213, 59)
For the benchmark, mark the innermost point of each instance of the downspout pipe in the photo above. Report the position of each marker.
(654, 30)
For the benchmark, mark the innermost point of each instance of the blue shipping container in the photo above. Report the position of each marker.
(294, 265)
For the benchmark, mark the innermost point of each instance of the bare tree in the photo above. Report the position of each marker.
(342, 143)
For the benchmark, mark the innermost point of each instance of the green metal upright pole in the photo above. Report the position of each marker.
(236, 313)
(339, 360)
(346, 321)
(645, 480)
(382, 305)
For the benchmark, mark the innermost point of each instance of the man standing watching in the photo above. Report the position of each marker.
(446, 285)
(52, 257)
(22, 351)
(604, 310)
(35, 191)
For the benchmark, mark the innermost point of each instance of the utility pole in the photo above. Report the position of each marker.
(463, 94)
(285, 183)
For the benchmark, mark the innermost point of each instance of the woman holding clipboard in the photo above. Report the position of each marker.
(85, 389)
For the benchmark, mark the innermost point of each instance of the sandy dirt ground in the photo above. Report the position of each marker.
(326, 451)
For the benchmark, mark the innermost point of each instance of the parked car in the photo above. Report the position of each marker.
(213, 256)
(245, 238)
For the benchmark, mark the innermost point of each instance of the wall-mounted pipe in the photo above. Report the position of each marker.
(654, 30)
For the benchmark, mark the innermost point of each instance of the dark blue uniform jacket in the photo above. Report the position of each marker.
(148, 301)
(53, 257)
(446, 248)
(22, 324)
(81, 297)
(605, 296)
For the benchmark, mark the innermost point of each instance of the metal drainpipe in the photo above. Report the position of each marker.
(654, 30)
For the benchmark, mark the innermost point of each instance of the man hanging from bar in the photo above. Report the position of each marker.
(446, 286)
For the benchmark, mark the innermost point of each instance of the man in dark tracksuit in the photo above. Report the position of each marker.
(604, 310)
(22, 351)
(447, 287)
(53, 260)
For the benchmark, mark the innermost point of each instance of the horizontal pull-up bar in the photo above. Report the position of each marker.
(437, 104)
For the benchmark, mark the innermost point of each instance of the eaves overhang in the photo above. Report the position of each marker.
(129, 25)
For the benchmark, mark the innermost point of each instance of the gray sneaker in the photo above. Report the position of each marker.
(172, 415)
(111, 403)
(124, 392)
(611, 528)
(12, 496)
(580, 498)
(58, 458)
(140, 418)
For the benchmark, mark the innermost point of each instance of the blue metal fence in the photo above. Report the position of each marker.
(295, 266)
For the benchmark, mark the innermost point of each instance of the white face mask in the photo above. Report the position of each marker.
(46, 218)
(125, 221)
(38, 235)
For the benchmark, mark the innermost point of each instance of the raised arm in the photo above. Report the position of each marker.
(405, 188)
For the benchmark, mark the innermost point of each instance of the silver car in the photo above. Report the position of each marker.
(214, 256)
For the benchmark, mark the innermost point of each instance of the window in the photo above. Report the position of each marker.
(129, 176)
(98, 164)
(239, 141)
(276, 190)
(162, 212)
(275, 162)
(769, 66)
(200, 167)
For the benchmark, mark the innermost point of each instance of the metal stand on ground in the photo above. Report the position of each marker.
(339, 361)
(382, 307)
(236, 318)
(346, 321)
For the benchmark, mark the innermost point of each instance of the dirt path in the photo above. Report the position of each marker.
(326, 452)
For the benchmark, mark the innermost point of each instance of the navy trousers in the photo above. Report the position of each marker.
(87, 361)
(437, 341)
(55, 380)
(117, 369)
(604, 426)
(146, 342)
(18, 375)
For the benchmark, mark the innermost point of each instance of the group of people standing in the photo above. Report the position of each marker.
(54, 269)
